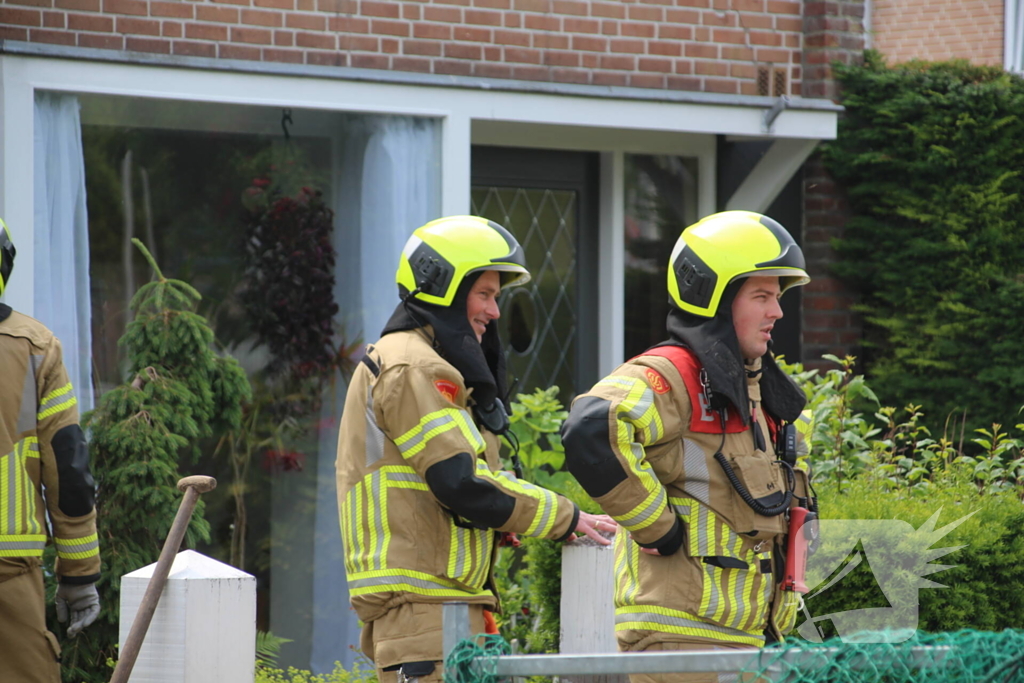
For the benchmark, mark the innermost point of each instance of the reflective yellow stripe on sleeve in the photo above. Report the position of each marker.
(435, 423)
(637, 411)
(547, 501)
(56, 401)
(77, 548)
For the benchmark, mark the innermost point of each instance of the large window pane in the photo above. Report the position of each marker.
(190, 181)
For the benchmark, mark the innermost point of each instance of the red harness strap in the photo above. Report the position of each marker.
(704, 420)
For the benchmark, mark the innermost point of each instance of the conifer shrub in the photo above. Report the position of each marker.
(177, 391)
(930, 156)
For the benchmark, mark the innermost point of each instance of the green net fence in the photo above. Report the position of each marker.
(957, 657)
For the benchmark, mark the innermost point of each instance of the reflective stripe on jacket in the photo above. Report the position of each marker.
(44, 468)
(645, 453)
(407, 409)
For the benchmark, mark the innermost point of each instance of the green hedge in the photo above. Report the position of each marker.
(984, 582)
(930, 156)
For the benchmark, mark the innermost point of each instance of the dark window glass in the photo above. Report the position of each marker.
(661, 200)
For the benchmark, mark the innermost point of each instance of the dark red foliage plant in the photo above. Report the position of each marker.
(289, 297)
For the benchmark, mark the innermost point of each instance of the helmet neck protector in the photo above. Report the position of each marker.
(481, 364)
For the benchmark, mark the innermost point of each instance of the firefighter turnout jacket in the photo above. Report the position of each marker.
(420, 488)
(45, 467)
(642, 443)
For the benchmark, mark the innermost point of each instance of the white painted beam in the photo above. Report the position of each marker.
(760, 188)
(611, 269)
(17, 173)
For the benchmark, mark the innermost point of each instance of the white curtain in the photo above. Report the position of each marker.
(387, 174)
(62, 300)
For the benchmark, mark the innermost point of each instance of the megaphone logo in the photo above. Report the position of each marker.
(896, 554)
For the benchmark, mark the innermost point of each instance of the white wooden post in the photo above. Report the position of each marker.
(587, 610)
(204, 628)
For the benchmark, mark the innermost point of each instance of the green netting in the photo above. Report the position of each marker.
(958, 657)
(475, 660)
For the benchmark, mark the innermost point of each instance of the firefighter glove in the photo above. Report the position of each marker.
(79, 603)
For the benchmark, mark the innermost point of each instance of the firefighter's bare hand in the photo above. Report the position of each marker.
(79, 603)
(591, 526)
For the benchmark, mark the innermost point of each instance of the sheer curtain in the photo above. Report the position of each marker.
(62, 300)
(1013, 35)
(387, 184)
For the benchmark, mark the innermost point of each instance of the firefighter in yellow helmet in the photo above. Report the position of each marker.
(690, 446)
(420, 488)
(44, 474)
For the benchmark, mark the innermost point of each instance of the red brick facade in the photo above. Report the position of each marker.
(743, 47)
(833, 31)
(704, 45)
(937, 30)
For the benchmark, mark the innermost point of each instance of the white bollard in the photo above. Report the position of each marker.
(587, 609)
(204, 628)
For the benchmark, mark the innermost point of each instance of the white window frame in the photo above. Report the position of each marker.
(560, 119)
(1013, 36)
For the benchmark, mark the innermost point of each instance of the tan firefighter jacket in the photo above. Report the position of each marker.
(633, 442)
(45, 467)
(407, 410)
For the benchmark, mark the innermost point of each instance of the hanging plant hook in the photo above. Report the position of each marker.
(286, 120)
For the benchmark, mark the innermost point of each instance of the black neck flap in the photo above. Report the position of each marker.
(714, 342)
(5, 312)
(482, 364)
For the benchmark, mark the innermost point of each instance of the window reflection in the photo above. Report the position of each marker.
(661, 200)
(291, 240)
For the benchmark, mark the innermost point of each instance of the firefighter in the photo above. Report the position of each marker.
(44, 473)
(684, 446)
(420, 487)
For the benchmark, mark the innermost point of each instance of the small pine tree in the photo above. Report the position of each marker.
(179, 391)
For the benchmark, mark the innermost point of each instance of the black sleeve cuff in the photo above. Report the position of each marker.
(671, 542)
(572, 526)
(80, 580)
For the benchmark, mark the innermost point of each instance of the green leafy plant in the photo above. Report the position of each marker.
(178, 391)
(358, 674)
(268, 647)
(536, 420)
(896, 447)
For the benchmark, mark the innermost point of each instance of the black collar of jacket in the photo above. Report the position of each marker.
(482, 364)
(5, 312)
(713, 341)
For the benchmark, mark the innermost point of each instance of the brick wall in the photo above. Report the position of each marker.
(833, 31)
(829, 325)
(706, 45)
(938, 30)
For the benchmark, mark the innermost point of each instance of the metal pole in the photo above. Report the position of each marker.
(455, 620)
